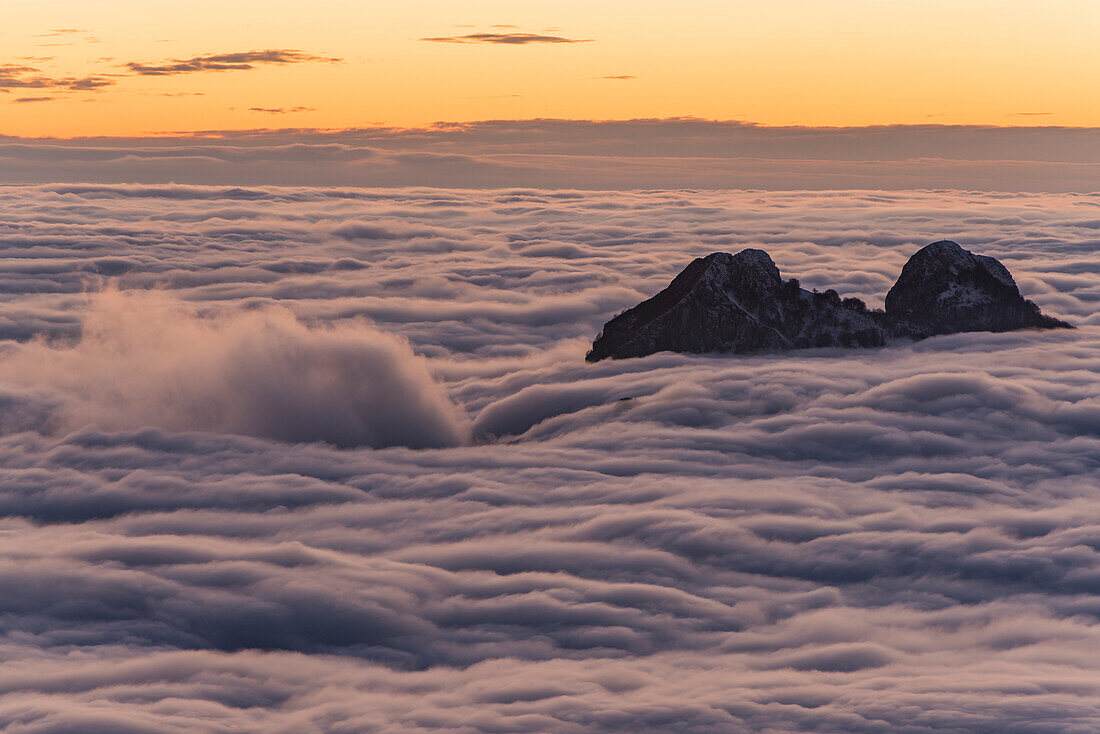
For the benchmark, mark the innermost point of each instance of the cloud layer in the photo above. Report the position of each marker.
(618, 155)
(899, 540)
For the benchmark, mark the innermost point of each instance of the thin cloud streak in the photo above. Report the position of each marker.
(507, 39)
(239, 61)
(281, 110)
(60, 32)
(16, 76)
(21, 76)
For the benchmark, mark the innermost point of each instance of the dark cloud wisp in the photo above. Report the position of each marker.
(15, 76)
(281, 110)
(61, 32)
(506, 39)
(240, 61)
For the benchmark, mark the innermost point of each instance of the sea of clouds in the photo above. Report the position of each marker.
(331, 460)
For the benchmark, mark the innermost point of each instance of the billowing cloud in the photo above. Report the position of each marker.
(900, 539)
(239, 61)
(145, 360)
(506, 39)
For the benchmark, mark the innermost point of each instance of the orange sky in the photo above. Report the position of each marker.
(775, 62)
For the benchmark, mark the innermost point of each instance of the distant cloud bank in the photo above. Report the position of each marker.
(630, 154)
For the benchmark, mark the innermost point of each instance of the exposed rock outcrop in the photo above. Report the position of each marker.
(740, 303)
(736, 303)
(944, 289)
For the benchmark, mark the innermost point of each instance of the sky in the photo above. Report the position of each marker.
(135, 68)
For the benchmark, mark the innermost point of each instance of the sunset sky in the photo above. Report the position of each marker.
(131, 67)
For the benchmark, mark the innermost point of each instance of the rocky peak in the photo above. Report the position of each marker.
(749, 271)
(944, 289)
(740, 303)
(756, 265)
(734, 303)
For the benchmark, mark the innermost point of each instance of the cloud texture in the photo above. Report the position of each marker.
(898, 540)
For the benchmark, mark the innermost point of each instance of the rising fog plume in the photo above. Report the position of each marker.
(146, 359)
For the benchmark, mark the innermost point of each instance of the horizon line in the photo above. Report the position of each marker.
(445, 125)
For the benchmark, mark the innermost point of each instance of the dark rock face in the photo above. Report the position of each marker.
(736, 303)
(944, 289)
(739, 303)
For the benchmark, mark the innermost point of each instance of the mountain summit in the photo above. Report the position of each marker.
(740, 303)
(944, 289)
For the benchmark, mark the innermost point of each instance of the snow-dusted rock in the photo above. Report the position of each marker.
(739, 303)
(736, 303)
(944, 289)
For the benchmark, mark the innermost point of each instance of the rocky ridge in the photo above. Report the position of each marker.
(740, 304)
